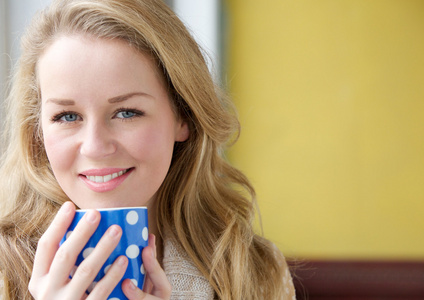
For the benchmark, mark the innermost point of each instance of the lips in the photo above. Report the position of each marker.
(104, 180)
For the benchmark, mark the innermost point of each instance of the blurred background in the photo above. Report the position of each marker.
(330, 96)
(331, 100)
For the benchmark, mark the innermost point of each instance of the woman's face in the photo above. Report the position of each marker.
(108, 125)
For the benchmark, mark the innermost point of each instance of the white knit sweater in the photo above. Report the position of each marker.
(189, 284)
(186, 280)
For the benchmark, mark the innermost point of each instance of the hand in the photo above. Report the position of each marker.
(52, 265)
(156, 285)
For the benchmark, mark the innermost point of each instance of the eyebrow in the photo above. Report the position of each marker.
(117, 99)
(64, 102)
(121, 98)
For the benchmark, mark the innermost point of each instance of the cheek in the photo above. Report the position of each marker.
(50, 145)
(58, 151)
(49, 138)
(154, 145)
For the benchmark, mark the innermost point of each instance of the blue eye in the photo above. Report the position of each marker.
(125, 114)
(69, 118)
(66, 117)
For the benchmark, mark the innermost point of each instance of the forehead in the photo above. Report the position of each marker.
(88, 60)
(77, 47)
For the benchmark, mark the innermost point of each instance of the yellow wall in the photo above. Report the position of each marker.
(331, 100)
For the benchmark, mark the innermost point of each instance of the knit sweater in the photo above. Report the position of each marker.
(186, 280)
(189, 284)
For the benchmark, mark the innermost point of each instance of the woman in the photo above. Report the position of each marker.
(118, 88)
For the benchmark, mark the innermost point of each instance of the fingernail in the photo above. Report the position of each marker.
(66, 207)
(152, 240)
(122, 261)
(114, 231)
(132, 285)
(155, 251)
(91, 216)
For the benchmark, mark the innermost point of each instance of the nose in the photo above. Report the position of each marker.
(98, 141)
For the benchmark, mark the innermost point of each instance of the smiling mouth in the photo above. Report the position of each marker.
(106, 178)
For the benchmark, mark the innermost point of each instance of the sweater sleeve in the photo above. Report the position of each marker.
(186, 280)
(1, 287)
(289, 291)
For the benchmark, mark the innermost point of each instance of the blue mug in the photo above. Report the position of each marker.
(133, 221)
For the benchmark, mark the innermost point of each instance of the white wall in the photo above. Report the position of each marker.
(14, 17)
(202, 19)
(18, 16)
(3, 55)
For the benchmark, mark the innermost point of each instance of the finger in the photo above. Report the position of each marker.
(134, 293)
(148, 285)
(161, 286)
(156, 285)
(105, 286)
(49, 242)
(66, 255)
(90, 267)
(152, 241)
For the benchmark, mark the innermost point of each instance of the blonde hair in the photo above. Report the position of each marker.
(204, 203)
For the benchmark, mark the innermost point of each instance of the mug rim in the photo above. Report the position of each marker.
(112, 208)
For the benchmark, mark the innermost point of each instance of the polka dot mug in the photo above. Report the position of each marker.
(133, 221)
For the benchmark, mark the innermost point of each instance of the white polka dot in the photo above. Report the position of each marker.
(132, 251)
(145, 233)
(135, 282)
(107, 268)
(87, 252)
(142, 270)
(132, 217)
(114, 299)
(91, 286)
(68, 234)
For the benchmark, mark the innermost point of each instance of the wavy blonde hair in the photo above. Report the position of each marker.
(204, 203)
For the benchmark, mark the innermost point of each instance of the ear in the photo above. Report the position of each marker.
(182, 132)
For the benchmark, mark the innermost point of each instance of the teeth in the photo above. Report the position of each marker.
(101, 179)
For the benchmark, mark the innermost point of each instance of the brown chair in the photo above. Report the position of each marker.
(359, 280)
